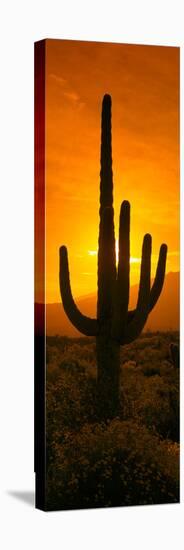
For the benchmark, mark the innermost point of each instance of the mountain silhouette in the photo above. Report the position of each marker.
(165, 315)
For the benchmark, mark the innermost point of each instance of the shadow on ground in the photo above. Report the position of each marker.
(26, 496)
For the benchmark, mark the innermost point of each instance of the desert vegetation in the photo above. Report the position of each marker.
(130, 459)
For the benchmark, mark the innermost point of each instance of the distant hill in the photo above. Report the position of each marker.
(165, 315)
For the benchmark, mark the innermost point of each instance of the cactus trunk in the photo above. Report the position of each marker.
(108, 350)
(114, 326)
(108, 374)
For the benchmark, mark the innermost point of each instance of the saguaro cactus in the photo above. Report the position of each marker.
(114, 325)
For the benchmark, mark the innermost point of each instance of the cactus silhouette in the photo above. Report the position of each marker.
(114, 326)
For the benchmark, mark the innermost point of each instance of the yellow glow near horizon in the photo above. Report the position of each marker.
(132, 259)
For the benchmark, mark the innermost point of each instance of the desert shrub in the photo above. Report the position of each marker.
(129, 365)
(158, 407)
(78, 356)
(151, 369)
(58, 342)
(131, 460)
(132, 384)
(115, 464)
(71, 401)
(150, 394)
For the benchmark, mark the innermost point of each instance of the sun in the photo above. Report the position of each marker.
(133, 260)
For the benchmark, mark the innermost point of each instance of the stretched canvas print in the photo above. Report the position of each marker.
(106, 274)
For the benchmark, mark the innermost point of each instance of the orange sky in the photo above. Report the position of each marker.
(144, 84)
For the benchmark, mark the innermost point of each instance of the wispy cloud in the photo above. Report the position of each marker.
(58, 79)
(71, 95)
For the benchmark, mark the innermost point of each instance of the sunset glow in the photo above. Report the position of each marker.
(132, 260)
(144, 85)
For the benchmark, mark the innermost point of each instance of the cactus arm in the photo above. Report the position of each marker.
(134, 328)
(157, 286)
(159, 277)
(123, 276)
(84, 324)
(106, 248)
